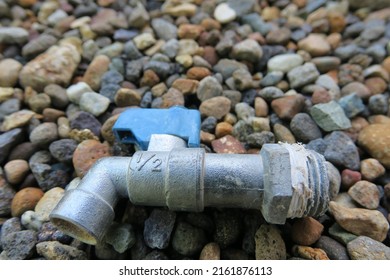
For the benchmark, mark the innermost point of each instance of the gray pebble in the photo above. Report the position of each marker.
(109, 91)
(131, 52)
(10, 226)
(319, 145)
(257, 23)
(342, 151)
(373, 30)
(332, 248)
(170, 48)
(62, 150)
(59, 98)
(111, 77)
(8, 140)
(48, 177)
(209, 124)
(156, 255)
(7, 193)
(162, 69)
(366, 248)
(241, 130)
(378, 104)
(258, 139)
(208, 88)
(272, 78)
(303, 75)
(269, 243)
(244, 111)
(20, 245)
(9, 106)
(377, 52)
(48, 232)
(330, 116)
(347, 51)
(105, 251)
(352, 105)
(13, 35)
(233, 95)
(188, 240)
(124, 35)
(228, 226)
(158, 228)
(44, 134)
(227, 66)
(121, 237)
(304, 128)
(84, 120)
(38, 45)
(30, 220)
(270, 93)
(164, 29)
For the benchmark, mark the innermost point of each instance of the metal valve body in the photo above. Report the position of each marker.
(283, 180)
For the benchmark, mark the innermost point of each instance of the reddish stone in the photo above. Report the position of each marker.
(349, 178)
(228, 145)
(287, 107)
(210, 55)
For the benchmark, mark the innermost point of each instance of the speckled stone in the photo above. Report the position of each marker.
(366, 194)
(54, 250)
(228, 145)
(332, 248)
(366, 248)
(158, 228)
(269, 244)
(306, 231)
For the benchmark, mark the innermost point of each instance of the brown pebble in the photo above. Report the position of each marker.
(288, 106)
(386, 64)
(172, 98)
(87, 153)
(228, 145)
(306, 231)
(321, 96)
(310, 253)
(217, 107)
(52, 115)
(96, 69)
(24, 200)
(189, 31)
(366, 194)
(186, 86)
(376, 85)
(261, 107)
(127, 97)
(198, 73)
(16, 170)
(283, 134)
(106, 129)
(349, 178)
(149, 79)
(223, 129)
(210, 55)
(371, 169)
(379, 119)
(206, 137)
(337, 21)
(210, 251)
(315, 45)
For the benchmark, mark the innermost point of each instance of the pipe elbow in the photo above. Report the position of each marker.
(87, 212)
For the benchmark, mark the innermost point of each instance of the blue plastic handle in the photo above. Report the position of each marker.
(135, 126)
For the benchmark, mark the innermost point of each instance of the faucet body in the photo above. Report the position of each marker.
(283, 181)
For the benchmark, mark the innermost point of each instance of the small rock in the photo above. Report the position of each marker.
(306, 231)
(106, 130)
(172, 98)
(288, 106)
(271, 93)
(227, 67)
(125, 97)
(75, 91)
(20, 245)
(55, 66)
(309, 253)
(366, 248)
(366, 194)
(9, 226)
(378, 105)
(186, 86)
(340, 234)
(261, 107)
(17, 119)
(210, 251)
(39, 102)
(62, 150)
(334, 180)
(38, 45)
(358, 221)
(228, 145)
(349, 178)
(48, 202)
(185, 9)
(303, 75)
(284, 62)
(341, 150)
(24, 200)
(158, 228)
(9, 72)
(208, 88)
(94, 103)
(315, 45)
(16, 170)
(375, 139)
(6, 93)
(144, 41)
(258, 139)
(304, 128)
(198, 73)
(13, 35)
(59, 98)
(283, 134)
(244, 111)
(344, 199)
(96, 69)
(188, 240)
(224, 14)
(84, 120)
(326, 63)
(352, 105)
(54, 250)
(222, 129)
(217, 107)
(121, 237)
(269, 244)
(227, 228)
(164, 29)
(87, 153)
(355, 87)
(48, 232)
(272, 78)
(371, 169)
(44, 134)
(330, 116)
(248, 50)
(333, 249)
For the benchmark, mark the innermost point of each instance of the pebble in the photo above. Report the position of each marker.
(172, 98)
(227, 67)
(9, 72)
(58, 96)
(24, 200)
(56, 66)
(6, 195)
(87, 153)
(48, 232)
(261, 107)
(48, 202)
(371, 169)
(227, 228)
(376, 85)
(244, 111)
(269, 243)
(355, 87)
(270, 93)
(375, 140)
(188, 240)
(378, 104)
(13, 35)
(23, 151)
(94, 103)
(164, 29)
(223, 13)
(186, 86)
(340, 234)
(309, 253)
(333, 249)
(359, 221)
(248, 50)
(330, 116)
(228, 145)
(54, 250)
(17, 119)
(366, 248)
(352, 105)
(304, 128)
(306, 231)
(349, 178)
(198, 73)
(85, 120)
(158, 228)
(344, 199)
(315, 45)
(209, 87)
(258, 139)
(19, 245)
(95, 71)
(288, 106)
(326, 63)
(342, 151)
(217, 107)
(16, 170)
(222, 129)
(284, 62)
(366, 194)
(121, 237)
(303, 75)
(44, 134)
(62, 150)
(210, 251)
(39, 102)
(283, 134)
